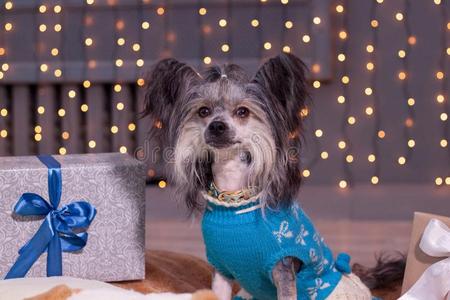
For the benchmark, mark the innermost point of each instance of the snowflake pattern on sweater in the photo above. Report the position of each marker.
(246, 247)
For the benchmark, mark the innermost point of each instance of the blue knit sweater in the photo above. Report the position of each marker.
(245, 247)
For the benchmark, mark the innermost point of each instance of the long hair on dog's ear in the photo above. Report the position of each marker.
(282, 85)
(170, 87)
(167, 84)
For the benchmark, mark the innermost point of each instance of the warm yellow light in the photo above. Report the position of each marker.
(42, 28)
(438, 181)
(61, 112)
(57, 73)
(339, 8)
(401, 53)
(140, 82)
(117, 88)
(306, 173)
(8, 5)
(120, 106)
(84, 107)
(57, 27)
(54, 52)
(44, 68)
(88, 42)
(411, 143)
(1, 75)
(443, 117)
(371, 158)
(287, 49)
(62, 151)
(41, 110)
(72, 94)
(254, 23)
(284, 1)
(443, 143)
(3, 112)
(2, 51)
(368, 91)
(304, 112)
(440, 98)
(374, 180)
(349, 158)
(114, 129)
(318, 132)
(399, 16)
(162, 184)
(437, 2)
(288, 24)
(86, 84)
(324, 154)
(92, 144)
(222, 22)
(131, 127)
(145, 25)
(401, 160)
(402, 75)
(315, 68)
(202, 11)
(341, 57)
(342, 35)
(411, 101)
(5, 67)
(8, 26)
(136, 47)
(341, 99)
(369, 110)
(345, 79)
(42, 9)
(38, 137)
(448, 51)
(351, 120)
(317, 20)
(90, 2)
(119, 62)
(140, 62)
(412, 40)
(225, 48)
(3, 133)
(120, 41)
(342, 184)
(57, 9)
(160, 11)
(316, 84)
(440, 75)
(374, 23)
(370, 48)
(38, 129)
(123, 149)
(306, 38)
(65, 135)
(342, 145)
(447, 180)
(267, 45)
(370, 66)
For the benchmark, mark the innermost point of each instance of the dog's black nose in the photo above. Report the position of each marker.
(217, 128)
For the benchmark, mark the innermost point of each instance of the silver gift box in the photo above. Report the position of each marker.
(114, 183)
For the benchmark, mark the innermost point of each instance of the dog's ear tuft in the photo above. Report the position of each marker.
(284, 81)
(167, 83)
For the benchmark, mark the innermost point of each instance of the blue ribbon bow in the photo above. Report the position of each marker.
(56, 233)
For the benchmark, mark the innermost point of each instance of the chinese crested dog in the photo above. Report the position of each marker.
(234, 143)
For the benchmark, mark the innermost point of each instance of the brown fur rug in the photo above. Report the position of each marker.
(180, 273)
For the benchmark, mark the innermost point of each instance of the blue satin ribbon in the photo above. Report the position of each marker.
(56, 233)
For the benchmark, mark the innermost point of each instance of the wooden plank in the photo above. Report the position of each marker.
(122, 116)
(46, 114)
(23, 142)
(4, 116)
(97, 119)
(72, 125)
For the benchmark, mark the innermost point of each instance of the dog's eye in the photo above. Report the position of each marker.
(242, 112)
(203, 112)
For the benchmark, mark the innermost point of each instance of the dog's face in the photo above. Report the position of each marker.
(222, 110)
